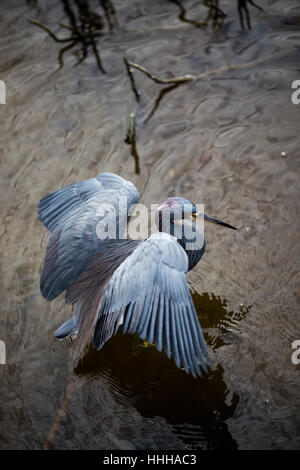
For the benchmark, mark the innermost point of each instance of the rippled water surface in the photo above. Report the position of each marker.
(229, 140)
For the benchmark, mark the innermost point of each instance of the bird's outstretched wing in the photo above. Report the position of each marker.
(74, 215)
(149, 295)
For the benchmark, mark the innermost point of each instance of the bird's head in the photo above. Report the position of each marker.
(179, 217)
(175, 210)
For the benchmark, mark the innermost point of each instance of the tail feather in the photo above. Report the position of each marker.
(69, 328)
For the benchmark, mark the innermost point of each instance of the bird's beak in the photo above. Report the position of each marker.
(213, 220)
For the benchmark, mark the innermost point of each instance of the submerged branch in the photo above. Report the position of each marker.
(61, 54)
(182, 16)
(130, 139)
(96, 53)
(131, 78)
(162, 81)
(78, 36)
(174, 82)
(159, 98)
(193, 77)
(243, 9)
(53, 36)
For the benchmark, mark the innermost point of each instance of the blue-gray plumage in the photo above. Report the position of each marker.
(72, 215)
(138, 284)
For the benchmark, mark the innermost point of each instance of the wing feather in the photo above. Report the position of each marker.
(55, 206)
(166, 329)
(72, 214)
(151, 285)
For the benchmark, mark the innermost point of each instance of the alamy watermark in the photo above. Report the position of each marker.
(296, 354)
(2, 92)
(183, 221)
(295, 97)
(2, 352)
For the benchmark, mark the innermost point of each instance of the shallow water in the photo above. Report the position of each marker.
(229, 140)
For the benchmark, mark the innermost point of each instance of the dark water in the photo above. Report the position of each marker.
(229, 140)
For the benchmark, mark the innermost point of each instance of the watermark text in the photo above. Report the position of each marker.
(2, 92)
(296, 94)
(2, 352)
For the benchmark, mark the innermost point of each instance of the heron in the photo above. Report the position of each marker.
(139, 284)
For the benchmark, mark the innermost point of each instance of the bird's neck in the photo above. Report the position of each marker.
(194, 246)
(194, 255)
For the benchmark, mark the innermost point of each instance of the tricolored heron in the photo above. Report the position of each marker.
(140, 284)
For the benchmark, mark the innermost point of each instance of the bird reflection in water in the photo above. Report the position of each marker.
(138, 375)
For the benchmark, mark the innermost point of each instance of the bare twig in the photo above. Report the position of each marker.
(242, 6)
(110, 13)
(132, 82)
(95, 50)
(84, 52)
(45, 28)
(193, 77)
(80, 37)
(67, 26)
(174, 82)
(161, 94)
(182, 15)
(131, 140)
(61, 54)
(71, 38)
(255, 5)
(162, 81)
